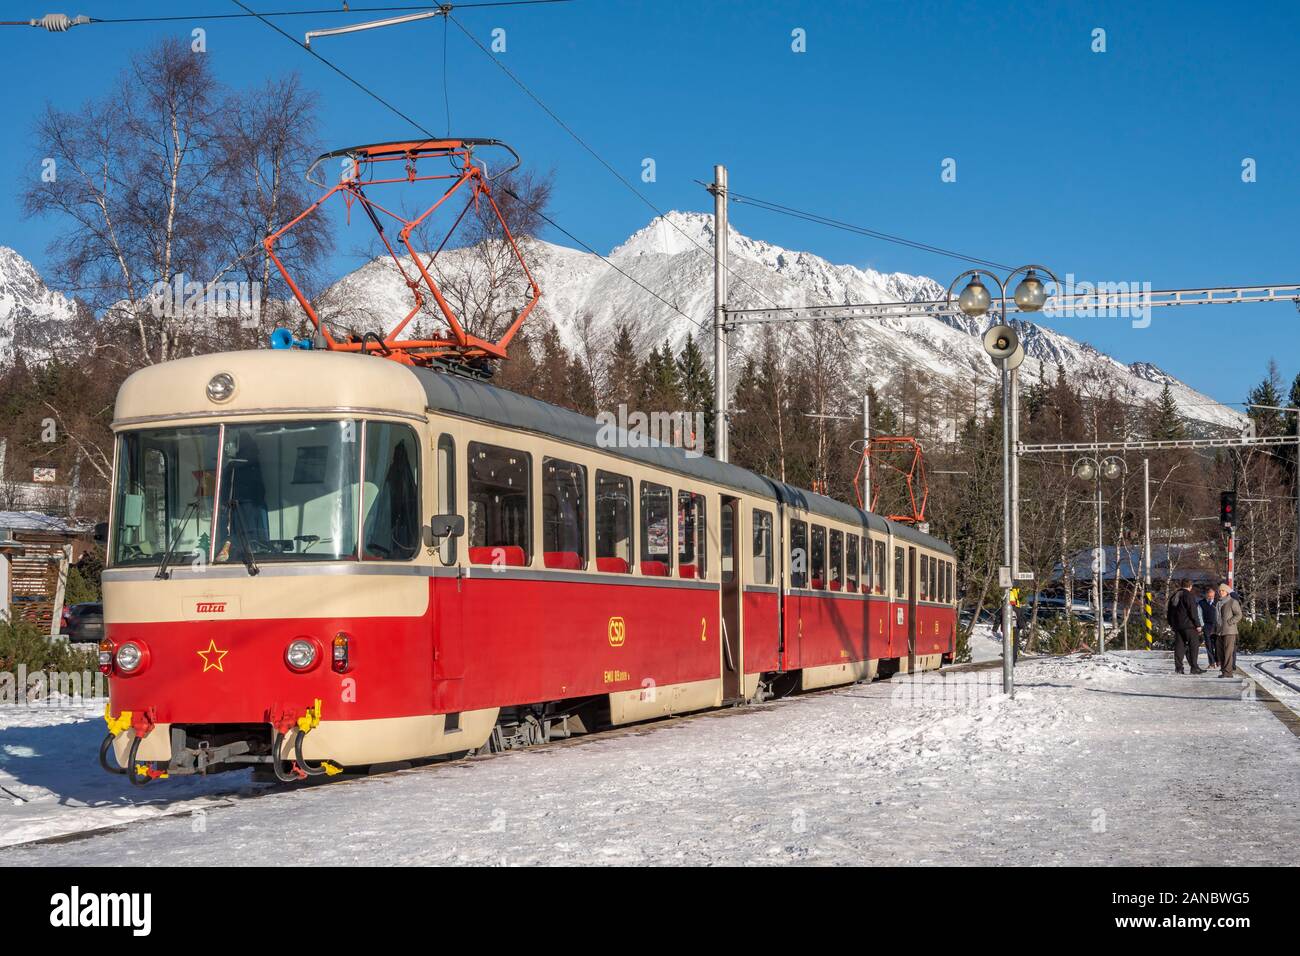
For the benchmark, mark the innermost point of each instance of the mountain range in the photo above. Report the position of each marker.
(587, 300)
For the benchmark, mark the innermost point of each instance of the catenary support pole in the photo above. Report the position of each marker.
(866, 447)
(720, 392)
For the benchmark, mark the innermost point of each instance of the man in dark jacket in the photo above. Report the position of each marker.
(1182, 617)
(1209, 626)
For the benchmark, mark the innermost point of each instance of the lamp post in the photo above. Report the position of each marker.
(1090, 469)
(1003, 346)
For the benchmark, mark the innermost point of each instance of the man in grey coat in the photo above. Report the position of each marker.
(1227, 612)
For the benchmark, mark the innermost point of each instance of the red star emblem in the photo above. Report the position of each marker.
(212, 657)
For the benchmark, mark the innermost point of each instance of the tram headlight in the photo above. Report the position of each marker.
(301, 654)
(221, 387)
(129, 657)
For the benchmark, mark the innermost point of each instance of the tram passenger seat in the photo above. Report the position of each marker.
(686, 570)
(835, 586)
(817, 584)
(614, 564)
(658, 569)
(566, 560)
(510, 555)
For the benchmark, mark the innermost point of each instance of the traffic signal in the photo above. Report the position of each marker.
(1228, 508)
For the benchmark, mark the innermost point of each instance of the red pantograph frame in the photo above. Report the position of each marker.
(883, 444)
(458, 344)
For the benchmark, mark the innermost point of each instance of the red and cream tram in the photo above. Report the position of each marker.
(320, 559)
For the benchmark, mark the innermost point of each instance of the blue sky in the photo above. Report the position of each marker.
(1114, 166)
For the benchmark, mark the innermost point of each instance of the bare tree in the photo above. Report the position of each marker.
(134, 180)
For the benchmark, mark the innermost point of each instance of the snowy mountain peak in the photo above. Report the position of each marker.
(671, 234)
(32, 316)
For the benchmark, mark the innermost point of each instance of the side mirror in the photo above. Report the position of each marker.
(446, 526)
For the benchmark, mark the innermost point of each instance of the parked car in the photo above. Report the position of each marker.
(84, 623)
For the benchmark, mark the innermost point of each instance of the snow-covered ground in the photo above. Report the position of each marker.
(1095, 761)
(51, 783)
(983, 645)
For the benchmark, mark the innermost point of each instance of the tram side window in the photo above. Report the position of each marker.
(880, 567)
(925, 576)
(835, 577)
(391, 505)
(851, 563)
(798, 554)
(952, 583)
(818, 568)
(447, 493)
(868, 566)
(934, 593)
(762, 547)
(900, 574)
(500, 522)
(693, 550)
(564, 514)
(656, 529)
(613, 522)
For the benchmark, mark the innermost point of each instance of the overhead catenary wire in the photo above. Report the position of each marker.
(770, 206)
(59, 23)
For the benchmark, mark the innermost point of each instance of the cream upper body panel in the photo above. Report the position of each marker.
(272, 381)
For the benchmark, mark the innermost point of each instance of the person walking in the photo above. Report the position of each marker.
(1209, 625)
(1228, 614)
(1181, 613)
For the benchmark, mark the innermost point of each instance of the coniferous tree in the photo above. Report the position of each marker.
(1163, 423)
(622, 373)
(696, 386)
(1266, 397)
(581, 389)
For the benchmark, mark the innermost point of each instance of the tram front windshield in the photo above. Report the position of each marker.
(261, 491)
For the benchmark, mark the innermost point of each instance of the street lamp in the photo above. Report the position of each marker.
(1090, 469)
(1003, 346)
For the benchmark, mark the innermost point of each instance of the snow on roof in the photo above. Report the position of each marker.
(48, 524)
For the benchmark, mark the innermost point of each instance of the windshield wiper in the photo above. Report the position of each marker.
(245, 546)
(171, 547)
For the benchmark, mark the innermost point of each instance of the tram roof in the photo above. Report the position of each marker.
(470, 398)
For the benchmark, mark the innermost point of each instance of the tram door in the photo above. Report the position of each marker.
(732, 665)
(912, 572)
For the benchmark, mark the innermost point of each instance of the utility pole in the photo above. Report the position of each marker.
(866, 447)
(720, 393)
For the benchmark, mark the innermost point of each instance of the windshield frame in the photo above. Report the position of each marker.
(181, 561)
